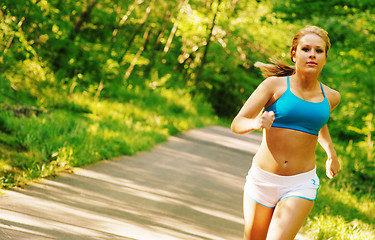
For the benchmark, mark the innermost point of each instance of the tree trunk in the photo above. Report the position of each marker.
(122, 22)
(10, 41)
(155, 54)
(175, 25)
(369, 142)
(138, 30)
(198, 79)
(157, 44)
(233, 5)
(241, 57)
(82, 18)
(135, 59)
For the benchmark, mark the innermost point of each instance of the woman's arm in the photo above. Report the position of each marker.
(332, 164)
(324, 139)
(251, 117)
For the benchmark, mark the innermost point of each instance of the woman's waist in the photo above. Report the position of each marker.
(284, 163)
(282, 179)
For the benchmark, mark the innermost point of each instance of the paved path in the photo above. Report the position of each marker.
(187, 188)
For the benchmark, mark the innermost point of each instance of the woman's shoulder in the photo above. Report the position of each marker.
(274, 87)
(274, 82)
(332, 95)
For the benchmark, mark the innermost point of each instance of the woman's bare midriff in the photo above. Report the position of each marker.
(286, 152)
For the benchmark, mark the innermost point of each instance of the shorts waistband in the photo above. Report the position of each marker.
(280, 179)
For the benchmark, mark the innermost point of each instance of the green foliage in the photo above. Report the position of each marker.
(344, 208)
(292, 10)
(86, 80)
(94, 130)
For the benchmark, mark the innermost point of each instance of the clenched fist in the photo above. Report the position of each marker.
(266, 120)
(332, 167)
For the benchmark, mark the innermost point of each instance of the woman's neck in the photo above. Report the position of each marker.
(305, 81)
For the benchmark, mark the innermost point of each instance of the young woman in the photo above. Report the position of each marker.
(292, 108)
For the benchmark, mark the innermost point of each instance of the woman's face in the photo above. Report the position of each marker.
(310, 54)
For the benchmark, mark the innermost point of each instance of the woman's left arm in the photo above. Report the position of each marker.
(332, 163)
(324, 139)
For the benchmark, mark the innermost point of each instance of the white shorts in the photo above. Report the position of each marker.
(268, 189)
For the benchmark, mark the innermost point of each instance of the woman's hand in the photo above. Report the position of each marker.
(266, 120)
(332, 167)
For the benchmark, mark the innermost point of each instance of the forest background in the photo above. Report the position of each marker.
(82, 81)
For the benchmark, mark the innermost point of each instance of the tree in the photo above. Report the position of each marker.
(175, 25)
(122, 22)
(82, 18)
(140, 51)
(208, 41)
(138, 30)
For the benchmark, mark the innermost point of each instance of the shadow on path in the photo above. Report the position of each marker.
(187, 188)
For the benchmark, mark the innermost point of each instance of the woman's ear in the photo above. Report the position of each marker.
(293, 58)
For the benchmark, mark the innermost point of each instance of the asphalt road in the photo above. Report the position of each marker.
(187, 188)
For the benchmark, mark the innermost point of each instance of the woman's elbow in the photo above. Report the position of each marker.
(234, 126)
(237, 127)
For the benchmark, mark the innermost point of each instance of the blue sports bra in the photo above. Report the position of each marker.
(295, 113)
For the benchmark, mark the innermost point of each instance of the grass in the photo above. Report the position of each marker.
(345, 207)
(79, 129)
(341, 214)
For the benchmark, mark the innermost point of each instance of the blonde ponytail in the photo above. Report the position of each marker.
(277, 68)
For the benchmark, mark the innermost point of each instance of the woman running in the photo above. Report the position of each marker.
(292, 108)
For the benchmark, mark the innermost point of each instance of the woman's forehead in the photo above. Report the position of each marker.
(312, 40)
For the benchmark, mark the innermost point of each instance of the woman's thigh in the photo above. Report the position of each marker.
(257, 219)
(288, 217)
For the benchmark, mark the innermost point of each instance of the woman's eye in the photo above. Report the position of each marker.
(319, 50)
(305, 49)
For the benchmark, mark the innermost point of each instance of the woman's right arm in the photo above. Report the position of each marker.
(251, 117)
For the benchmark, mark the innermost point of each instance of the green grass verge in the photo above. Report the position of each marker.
(78, 129)
(345, 207)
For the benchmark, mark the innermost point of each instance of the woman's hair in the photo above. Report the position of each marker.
(279, 68)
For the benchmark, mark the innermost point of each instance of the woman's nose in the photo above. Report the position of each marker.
(312, 53)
